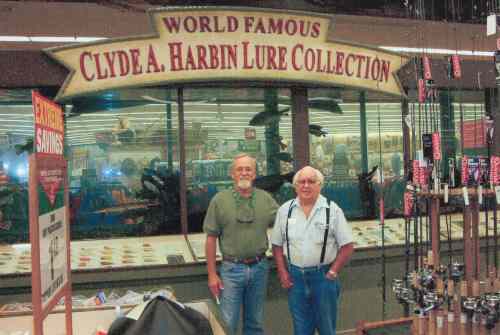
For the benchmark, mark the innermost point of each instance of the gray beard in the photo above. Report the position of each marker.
(244, 184)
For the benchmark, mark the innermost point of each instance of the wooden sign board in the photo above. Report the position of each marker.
(49, 215)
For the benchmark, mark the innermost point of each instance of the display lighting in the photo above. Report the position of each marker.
(21, 171)
(439, 51)
(50, 39)
(83, 39)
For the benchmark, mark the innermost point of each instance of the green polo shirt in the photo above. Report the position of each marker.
(240, 235)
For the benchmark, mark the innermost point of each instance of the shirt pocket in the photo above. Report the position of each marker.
(318, 232)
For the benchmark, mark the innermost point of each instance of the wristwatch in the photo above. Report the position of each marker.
(333, 274)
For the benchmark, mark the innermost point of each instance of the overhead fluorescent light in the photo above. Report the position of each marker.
(440, 51)
(50, 39)
(83, 39)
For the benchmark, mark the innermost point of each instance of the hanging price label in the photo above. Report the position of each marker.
(465, 170)
(408, 203)
(466, 195)
(416, 171)
(421, 91)
(426, 64)
(480, 194)
(445, 193)
(497, 193)
(495, 170)
(456, 68)
(436, 146)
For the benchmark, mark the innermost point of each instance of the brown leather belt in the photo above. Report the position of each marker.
(247, 261)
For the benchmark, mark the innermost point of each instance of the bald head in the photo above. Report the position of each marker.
(319, 176)
(307, 182)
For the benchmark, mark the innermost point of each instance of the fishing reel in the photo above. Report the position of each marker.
(403, 293)
(471, 305)
(490, 307)
(431, 300)
(456, 271)
(426, 280)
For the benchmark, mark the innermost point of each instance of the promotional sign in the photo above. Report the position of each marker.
(436, 146)
(228, 44)
(52, 231)
(474, 133)
(408, 200)
(456, 68)
(494, 170)
(49, 226)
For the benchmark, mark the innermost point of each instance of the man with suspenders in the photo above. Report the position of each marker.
(318, 243)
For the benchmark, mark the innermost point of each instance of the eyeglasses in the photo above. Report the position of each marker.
(307, 181)
(245, 214)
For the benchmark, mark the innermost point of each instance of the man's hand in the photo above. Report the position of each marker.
(215, 285)
(285, 279)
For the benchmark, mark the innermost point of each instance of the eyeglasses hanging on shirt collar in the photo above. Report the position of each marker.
(245, 214)
(245, 208)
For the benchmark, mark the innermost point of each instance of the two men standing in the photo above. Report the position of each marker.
(314, 232)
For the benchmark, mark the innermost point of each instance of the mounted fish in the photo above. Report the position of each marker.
(28, 147)
(284, 156)
(280, 142)
(174, 101)
(272, 183)
(266, 118)
(324, 103)
(317, 130)
(98, 104)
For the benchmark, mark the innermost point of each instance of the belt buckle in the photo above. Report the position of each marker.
(249, 261)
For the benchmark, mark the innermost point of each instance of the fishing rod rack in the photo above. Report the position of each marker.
(453, 298)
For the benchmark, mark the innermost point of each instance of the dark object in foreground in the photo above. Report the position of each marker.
(272, 183)
(163, 316)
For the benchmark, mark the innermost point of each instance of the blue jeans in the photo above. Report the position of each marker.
(244, 285)
(313, 300)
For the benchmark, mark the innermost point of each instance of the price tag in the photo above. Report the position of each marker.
(466, 195)
(480, 194)
(439, 321)
(451, 317)
(497, 193)
(435, 177)
(445, 193)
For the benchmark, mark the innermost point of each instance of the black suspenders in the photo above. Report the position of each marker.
(325, 238)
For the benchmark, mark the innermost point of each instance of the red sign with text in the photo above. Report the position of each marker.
(49, 126)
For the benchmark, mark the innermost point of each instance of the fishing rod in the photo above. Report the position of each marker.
(381, 216)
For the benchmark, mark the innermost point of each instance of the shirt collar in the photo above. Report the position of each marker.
(321, 202)
(239, 199)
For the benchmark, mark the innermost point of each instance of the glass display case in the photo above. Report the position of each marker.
(123, 149)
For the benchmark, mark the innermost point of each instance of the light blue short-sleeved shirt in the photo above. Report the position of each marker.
(306, 235)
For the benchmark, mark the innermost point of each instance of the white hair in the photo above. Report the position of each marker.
(241, 155)
(319, 176)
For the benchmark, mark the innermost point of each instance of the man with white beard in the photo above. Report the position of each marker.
(239, 218)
